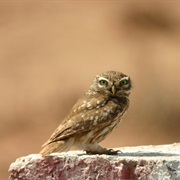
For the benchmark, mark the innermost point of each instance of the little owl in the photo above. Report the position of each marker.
(93, 117)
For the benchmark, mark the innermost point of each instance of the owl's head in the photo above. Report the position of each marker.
(112, 83)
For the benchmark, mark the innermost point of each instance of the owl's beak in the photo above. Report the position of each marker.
(113, 90)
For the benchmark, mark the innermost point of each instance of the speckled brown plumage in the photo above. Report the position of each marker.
(94, 116)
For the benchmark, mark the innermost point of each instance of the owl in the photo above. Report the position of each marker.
(93, 117)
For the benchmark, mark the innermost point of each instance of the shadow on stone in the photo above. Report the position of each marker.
(148, 154)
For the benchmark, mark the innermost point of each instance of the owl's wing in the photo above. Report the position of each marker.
(84, 116)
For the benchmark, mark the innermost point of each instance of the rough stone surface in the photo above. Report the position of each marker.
(142, 162)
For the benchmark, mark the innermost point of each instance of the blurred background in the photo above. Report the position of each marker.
(51, 50)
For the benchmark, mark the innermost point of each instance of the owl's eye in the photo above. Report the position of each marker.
(103, 82)
(124, 82)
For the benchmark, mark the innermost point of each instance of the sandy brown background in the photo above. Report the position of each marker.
(51, 50)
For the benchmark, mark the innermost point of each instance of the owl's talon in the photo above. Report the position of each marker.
(106, 151)
(112, 152)
(116, 150)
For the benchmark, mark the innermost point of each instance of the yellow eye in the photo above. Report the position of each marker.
(124, 82)
(103, 82)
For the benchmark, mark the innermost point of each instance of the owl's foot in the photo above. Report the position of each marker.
(100, 150)
(112, 152)
(106, 151)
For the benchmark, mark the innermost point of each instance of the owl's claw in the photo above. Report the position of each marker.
(105, 151)
(112, 152)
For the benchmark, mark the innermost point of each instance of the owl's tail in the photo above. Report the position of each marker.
(57, 146)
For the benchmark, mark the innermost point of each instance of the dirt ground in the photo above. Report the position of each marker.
(51, 50)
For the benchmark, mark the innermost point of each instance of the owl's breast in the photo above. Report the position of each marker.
(122, 101)
(106, 119)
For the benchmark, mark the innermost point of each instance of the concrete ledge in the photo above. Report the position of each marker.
(142, 162)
